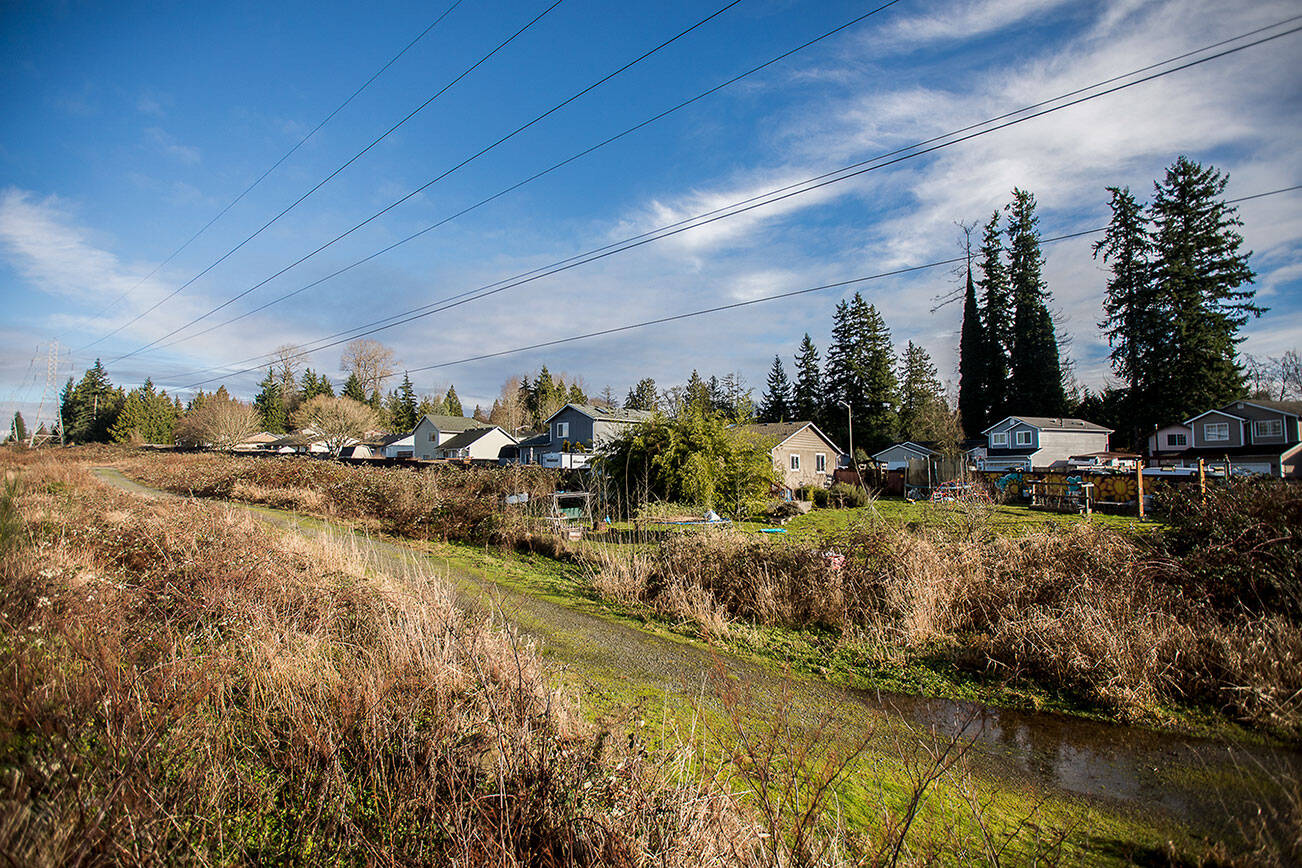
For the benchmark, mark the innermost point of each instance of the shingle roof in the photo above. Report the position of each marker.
(1056, 423)
(465, 438)
(781, 431)
(454, 424)
(614, 414)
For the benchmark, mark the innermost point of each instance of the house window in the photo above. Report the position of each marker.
(1023, 438)
(562, 430)
(1176, 440)
(1214, 432)
(434, 437)
(795, 462)
(820, 463)
(1000, 439)
(1268, 428)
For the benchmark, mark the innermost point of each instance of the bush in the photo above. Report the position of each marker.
(1238, 547)
(847, 496)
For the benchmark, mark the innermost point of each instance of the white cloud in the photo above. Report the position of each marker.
(167, 144)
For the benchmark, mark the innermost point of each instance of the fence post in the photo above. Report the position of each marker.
(1139, 482)
(1202, 478)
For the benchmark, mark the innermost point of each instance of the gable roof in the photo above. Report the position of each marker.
(781, 432)
(612, 414)
(1054, 423)
(453, 424)
(1188, 422)
(911, 445)
(1288, 408)
(465, 438)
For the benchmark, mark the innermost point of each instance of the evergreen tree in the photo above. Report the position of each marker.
(860, 373)
(1036, 371)
(147, 416)
(696, 397)
(973, 385)
(576, 395)
(403, 415)
(920, 392)
(1136, 328)
(353, 388)
(18, 428)
(880, 414)
(316, 384)
(1201, 280)
(643, 396)
(996, 319)
(91, 407)
(807, 392)
(482, 415)
(453, 402)
(269, 405)
(776, 405)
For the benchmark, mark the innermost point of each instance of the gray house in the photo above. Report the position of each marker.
(898, 456)
(575, 431)
(431, 431)
(1254, 436)
(1029, 442)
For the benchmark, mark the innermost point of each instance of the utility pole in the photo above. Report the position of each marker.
(849, 417)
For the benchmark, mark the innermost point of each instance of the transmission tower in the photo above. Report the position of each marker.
(51, 378)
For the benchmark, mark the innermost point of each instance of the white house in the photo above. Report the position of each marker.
(477, 444)
(431, 432)
(1029, 442)
(1170, 443)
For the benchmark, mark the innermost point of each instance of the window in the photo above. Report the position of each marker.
(1000, 439)
(1023, 438)
(1268, 428)
(820, 462)
(1214, 432)
(434, 437)
(795, 462)
(1176, 440)
(562, 430)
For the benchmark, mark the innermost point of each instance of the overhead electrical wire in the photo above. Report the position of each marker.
(441, 176)
(231, 204)
(332, 175)
(486, 200)
(779, 194)
(767, 298)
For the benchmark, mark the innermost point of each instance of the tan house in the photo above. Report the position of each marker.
(802, 454)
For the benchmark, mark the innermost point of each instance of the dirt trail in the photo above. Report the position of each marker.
(1128, 769)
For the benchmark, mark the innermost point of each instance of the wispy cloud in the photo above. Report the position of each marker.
(167, 144)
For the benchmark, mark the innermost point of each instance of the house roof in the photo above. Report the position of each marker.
(543, 439)
(465, 438)
(454, 424)
(294, 440)
(1264, 450)
(1218, 412)
(1288, 408)
(392, 439)
(613, 414)
(781, 432)
(911, 445)
(261, 437)
(1054, 423)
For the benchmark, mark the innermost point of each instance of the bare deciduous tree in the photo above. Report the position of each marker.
(371, 361)
(337, 421)
(219, 422)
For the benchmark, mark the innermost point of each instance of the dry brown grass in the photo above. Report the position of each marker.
(180, 684)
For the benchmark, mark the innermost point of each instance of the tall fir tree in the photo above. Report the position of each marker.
(1202, 281)
(1133, 321)
(1036, 385)
(90, 408)
(996, 319)
(697, 397)
(921, 394)
(18, 428)
(269, 405)
(860, 373)
(147, 416)
(973, 370)
(643, 396)
(880, 419)
(353, 388)
(776, 404)
(453, 402)
(403, 414)
(807, 391)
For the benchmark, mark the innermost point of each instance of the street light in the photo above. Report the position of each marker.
(849, 418)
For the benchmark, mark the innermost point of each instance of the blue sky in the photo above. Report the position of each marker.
(129, 126)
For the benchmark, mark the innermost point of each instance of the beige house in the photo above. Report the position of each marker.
(477, 444)
(802, 454)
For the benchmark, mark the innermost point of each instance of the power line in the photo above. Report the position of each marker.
(775, 297)
(654, 118)
(273, 167)
(440, 177)
(825, 179)
(329, 177)
(531, 178)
